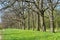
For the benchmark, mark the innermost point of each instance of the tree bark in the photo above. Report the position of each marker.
(24, 25)
(38, 28)
(43, 22)
(52, 22)
(33, 21)
(28, 21)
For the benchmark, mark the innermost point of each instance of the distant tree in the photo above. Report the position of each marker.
(52, 4)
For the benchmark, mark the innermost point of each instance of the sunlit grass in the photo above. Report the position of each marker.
(17, 34)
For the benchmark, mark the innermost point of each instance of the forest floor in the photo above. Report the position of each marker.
(17, 34)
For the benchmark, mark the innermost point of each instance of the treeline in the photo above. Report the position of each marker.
(30, 14)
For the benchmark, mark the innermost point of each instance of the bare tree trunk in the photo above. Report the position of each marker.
(24, 24)
(57, 26)
(23, 15)
(33, 21)
(52, 22)
(28, 21)
(42, 17)
(38, 28)
(43, 23)
(19, 25)
(29, 11)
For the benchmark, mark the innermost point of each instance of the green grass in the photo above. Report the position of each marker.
(17, 34)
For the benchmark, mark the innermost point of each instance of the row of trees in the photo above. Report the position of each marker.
(29, 14)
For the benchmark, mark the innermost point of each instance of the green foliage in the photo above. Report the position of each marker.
(17, 34)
